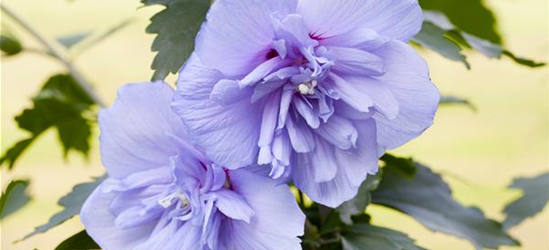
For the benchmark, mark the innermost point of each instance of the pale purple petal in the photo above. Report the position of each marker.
(228, 133)
(408, 78)
(398, 19)
(246, 27)
(234, 206)
(138, 131)
(100, 225)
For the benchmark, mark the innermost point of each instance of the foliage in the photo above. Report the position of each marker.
(71, 203)
(60, 104)
(451, 27)
(14, 197)
(534, 199)
(176, 28)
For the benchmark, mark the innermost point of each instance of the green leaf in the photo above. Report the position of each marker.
(404, 166)
(71, 40)
(60, 104)
(79, 241)
(358, 204)
(13, 153)
(364, 236)
(176, 28)
(14, 198)
(433, 38)
(428, 199)
(447, 100)
(447, 31)
(534, 199)
(471, 16)
(71, 203)
(523, 61)
(10, 45)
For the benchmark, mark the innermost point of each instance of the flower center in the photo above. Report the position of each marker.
(178, 196)
(307, 88)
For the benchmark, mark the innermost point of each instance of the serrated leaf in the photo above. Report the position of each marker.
(471, 16)
(71, 40)
(358, 204)
(446, 100)
(79, 241)
(14, 197)
(433, 37)
(176, 28)
(364, 236)
(60, 104)
(72, 204)
(10, 45)
(534, 199)
(428, 199)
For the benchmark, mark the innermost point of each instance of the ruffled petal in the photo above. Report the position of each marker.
(140, 130)
(100, 224)
(398, 19)
(352, 168)
(233, 205)
(277, 222)
(356, 62)
(407, 76)
(339, 132)
(237, 34)
(229, 134)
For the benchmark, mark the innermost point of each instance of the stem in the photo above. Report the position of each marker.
(301, 199)
(80, 80)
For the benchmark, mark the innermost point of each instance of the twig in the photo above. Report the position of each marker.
(80, 80)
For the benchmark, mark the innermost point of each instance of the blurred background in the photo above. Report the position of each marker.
(479, 152)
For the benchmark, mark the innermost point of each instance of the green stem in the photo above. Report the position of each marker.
(78, 77)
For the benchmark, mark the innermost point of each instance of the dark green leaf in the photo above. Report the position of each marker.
(12, 154)
(363, 236)
(14, 198)
(71, 40)
(404, 166)
(10, 45)
(523, 61)
(445, 100)
(534, 199)
(471, 16)
(71, 203)
(358, 204)
(60, 104)
(176, 28)
(433, 37)
(79, 241)
(428, 199)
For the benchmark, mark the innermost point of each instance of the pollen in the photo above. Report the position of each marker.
(307, 88)
(169, 200)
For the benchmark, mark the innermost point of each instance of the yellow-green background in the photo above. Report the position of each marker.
(479, 152)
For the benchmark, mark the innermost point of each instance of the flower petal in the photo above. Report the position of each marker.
(398, 19)
(226, 92)
(137, 132)
(100, 225)
(229, 134)
(356, 62)
(237, 34)
(300, 134)
(339, 132)
(277, 221)
(233, 205)
(407, 76)
(352, 168)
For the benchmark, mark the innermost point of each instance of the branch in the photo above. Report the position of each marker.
(84, 84)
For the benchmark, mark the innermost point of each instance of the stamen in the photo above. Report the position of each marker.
(307, 88)
(177, 196)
